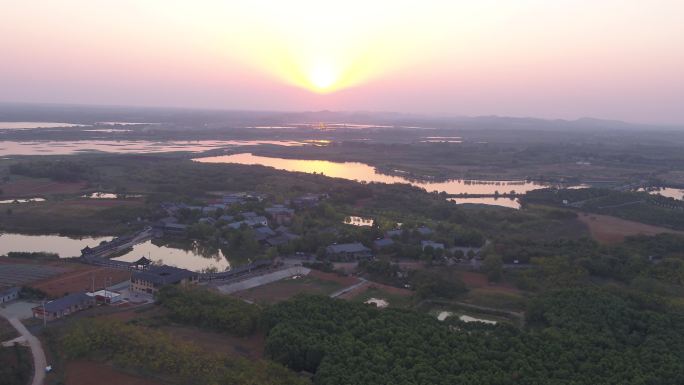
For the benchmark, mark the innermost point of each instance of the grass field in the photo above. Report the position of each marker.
(71, 216)
(607, 229)
(83, 372)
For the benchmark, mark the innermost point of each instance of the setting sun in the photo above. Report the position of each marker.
(323, 78)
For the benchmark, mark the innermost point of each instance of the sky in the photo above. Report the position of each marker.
(613, 59)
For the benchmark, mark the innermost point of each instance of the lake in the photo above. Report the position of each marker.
(127, 146)
(364, 173)
(500, 201)
(65, 247)
(28, 125)
(193, 258)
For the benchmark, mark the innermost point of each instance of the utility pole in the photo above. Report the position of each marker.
(44, 315)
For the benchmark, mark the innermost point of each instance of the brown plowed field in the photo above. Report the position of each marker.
(80, 280)
(607, 229)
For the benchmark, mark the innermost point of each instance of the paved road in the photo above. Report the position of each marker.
(39, 361)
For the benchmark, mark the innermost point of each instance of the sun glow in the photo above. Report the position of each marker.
(323, 78)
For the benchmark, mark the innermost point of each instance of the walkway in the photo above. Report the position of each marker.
(348, 289)
(39, 361)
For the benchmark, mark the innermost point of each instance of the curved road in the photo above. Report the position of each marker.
(39, 361)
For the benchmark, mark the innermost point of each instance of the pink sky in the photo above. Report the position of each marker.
(555, 59)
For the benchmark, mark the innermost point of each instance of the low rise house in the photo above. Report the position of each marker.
(308, 200)
(227, 218)
(348, 251)
(9, 293)
(207, 220)
(262, 233)
(155, 277)
(252, 221)
(105, 296)
(434, 245)
(393, 233)
(424, 230)
(173, 229)
(64, 306)
(280, 214)
(382, 243)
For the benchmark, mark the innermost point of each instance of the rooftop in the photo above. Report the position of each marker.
(348, 248)
(67, 302)
(163, 275)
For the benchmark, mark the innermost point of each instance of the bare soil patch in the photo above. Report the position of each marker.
(88, 373)
(607, 229)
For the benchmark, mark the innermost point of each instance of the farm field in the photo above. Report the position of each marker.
(36, 187)
(80, 279)
(21, 274)
(609, 230)
(73, 216)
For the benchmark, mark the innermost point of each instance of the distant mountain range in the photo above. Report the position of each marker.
(189, 118)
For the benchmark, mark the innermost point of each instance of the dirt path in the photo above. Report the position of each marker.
(39, 361)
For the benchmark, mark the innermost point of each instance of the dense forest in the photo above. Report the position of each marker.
(575, 336)
(210, 310)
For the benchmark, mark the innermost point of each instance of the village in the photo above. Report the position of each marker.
(283, 257)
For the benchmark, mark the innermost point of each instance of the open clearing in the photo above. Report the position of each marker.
(607, 229)
(287, 288)
(251, 347)
(396, 297)
(88, 373)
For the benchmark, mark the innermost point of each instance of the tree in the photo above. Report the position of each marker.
(492, 265)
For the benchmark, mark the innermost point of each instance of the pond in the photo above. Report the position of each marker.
(191, 257)
(65, 247)
(500, 201)
(364, 173)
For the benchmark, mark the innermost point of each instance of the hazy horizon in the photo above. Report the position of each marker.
(608, 59)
